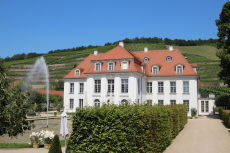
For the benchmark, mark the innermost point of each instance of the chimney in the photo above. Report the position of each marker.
(146, 50)
(121, 44)
(170, 48)
(95, 53)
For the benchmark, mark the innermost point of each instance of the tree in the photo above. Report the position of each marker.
(223, 43)
(55, 145)
(12, 107)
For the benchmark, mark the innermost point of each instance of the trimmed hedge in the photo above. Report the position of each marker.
(226, 117)
(112, 128)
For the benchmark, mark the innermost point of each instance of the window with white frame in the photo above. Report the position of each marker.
(81, 87)
(77, 72)
(81, 103)
(124, 65)
(110, 66)
(160, 102)
(173, 87)
(204, 106)
(96, 102)
(71, 88)
(186, 102)
(97, 67)
(173, 102)
(155, 70)
(185, 87)
(124, 85)
(110, 86)
(149, 87)
(160, 87)
(97, 86)
(168, 58)
(179, 69)
(71, 104)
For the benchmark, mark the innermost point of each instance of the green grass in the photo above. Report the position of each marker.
(26, 145)
(15, 145)
(205, 51)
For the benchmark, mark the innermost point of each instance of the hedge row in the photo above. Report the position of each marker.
(225, 116)
(126, 128)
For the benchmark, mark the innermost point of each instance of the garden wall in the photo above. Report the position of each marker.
(126, 128)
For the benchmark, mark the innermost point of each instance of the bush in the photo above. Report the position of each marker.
(55, 145)
(226, 117)
(126, 128)
(193, 112)
(221, 113)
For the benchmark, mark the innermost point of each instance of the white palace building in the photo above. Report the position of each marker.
(152, 76)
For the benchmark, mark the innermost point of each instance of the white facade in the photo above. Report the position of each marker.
(137, 90)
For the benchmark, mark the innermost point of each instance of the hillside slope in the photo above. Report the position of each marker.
(61, 63)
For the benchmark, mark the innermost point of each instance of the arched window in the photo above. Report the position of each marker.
(77, 72)
(97, 67)
(96, 102)
(179, 69)
(124, 102)
(111, 66)
(155, 69)
(124, 65)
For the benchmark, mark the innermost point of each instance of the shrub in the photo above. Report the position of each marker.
(193, 112)
(226, 117)
(55, 145)
(125, 128)
(221, 113)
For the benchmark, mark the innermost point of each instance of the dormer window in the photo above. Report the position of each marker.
(77, 72)
(168, 58)
(111, 66)
(155, 69)
(124, 65)
(179, 69)
(146, 59)
(97, 67)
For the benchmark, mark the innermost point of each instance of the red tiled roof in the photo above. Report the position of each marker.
(136, 60)
(52, 92)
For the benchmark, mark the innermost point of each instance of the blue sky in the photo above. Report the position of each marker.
(42, 25)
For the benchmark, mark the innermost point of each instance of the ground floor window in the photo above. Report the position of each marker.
(81, 103)
(186, 102)
(173, 102)
(124, 102)
(160, 102)
(71, 104)
(204, 106)
(96, 102)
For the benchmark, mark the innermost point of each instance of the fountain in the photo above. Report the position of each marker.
(39, 72)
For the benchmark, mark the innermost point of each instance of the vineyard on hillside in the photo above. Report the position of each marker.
(60, 63)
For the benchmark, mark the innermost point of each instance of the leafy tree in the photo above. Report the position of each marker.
(223, 42)
(59, 86)
(12, 107)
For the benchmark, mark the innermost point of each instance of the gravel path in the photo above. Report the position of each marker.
(204, 135)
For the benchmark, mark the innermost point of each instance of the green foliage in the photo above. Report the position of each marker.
(193, 112)
(225, 116)
(221, 113)
(126, 128)
(55, 145)
(12, 108)
(223, 101)
(223, 24)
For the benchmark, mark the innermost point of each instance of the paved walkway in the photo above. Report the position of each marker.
(203, 135)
